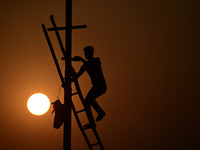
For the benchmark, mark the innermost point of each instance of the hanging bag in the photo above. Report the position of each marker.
(59, 117)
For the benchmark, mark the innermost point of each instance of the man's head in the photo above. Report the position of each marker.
(89, 52)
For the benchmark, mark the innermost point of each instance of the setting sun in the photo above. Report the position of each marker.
(38, 104)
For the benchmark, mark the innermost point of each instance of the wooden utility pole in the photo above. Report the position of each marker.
(67, 86)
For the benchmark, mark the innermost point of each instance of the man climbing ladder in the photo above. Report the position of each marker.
(93, 67)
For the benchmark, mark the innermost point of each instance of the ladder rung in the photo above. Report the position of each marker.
(74, 93)
(95, 144)
(80, 111)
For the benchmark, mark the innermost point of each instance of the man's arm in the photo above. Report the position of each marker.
(78, 58)
(80, 72)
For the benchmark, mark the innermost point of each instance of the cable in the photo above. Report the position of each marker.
(59, 92)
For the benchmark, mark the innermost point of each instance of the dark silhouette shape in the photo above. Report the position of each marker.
(59, 111)
(62, 111)
(93, 67)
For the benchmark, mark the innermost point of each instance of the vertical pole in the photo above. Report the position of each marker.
(67, 86)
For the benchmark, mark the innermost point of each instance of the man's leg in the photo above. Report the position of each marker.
(96, 92)
(99, 110)
(96, 106)
(90, 100)
(90, 117)
(88, 110)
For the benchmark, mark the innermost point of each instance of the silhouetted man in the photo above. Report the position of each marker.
(93, 67)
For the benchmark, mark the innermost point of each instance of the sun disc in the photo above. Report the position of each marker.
(38, 104)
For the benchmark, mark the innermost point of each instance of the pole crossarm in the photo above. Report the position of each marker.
(64, 28)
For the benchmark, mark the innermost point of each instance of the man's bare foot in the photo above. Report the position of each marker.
(100, 116)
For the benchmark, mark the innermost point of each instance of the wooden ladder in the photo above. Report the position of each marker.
(78, 90)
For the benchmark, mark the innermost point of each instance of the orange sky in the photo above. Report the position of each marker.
(150, 58)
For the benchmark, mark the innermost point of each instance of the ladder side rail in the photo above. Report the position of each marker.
(78, 89)
(75, 112)
(53, 53)
(81, 127)
(98, 138)
(57, 35)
